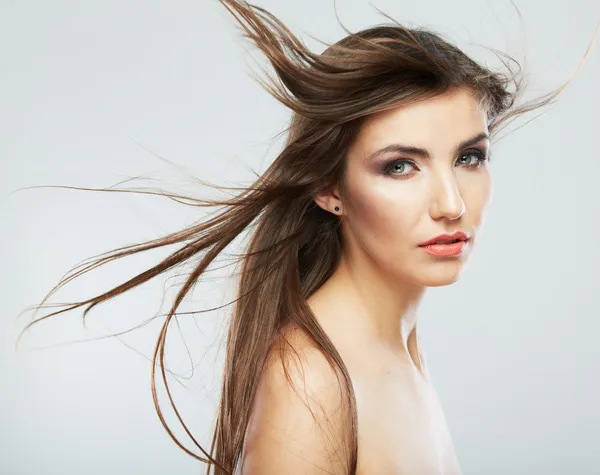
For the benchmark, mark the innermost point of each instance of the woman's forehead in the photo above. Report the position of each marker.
(448, 118)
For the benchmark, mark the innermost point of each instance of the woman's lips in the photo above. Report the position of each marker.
(451, 249)
(447, 238)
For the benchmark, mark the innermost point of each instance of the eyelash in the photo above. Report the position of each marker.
(482, 157)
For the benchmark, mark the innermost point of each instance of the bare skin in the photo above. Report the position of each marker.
(369, 307)
(401, 425)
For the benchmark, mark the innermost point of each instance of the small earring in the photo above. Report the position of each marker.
(337, 208)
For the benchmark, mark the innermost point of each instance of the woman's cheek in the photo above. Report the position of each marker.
(479, 194)
(391, 219)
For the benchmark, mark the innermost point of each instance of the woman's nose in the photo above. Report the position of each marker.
(446, 200)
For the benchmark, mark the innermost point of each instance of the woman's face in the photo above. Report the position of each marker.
(395, 200)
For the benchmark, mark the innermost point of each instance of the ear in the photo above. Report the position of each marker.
(329, 200)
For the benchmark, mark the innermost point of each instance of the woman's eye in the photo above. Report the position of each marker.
(398, 167)
(479, 158)
(403, 168)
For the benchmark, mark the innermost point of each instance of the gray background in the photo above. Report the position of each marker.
(512, 347)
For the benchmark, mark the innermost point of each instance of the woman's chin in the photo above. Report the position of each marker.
(442, 275)
(437, 271)
(441, 282)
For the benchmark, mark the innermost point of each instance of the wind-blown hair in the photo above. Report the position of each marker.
(295, 245)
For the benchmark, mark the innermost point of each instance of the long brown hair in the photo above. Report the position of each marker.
(295, 245)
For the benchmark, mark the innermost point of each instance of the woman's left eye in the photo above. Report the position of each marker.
(479, 156)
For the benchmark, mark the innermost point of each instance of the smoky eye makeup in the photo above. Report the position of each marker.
(482, 154)
(408, 166)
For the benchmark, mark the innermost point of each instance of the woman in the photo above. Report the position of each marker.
(379, 193)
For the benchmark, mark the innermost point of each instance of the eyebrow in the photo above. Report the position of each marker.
(421, 152)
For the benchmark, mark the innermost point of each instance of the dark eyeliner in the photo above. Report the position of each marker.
(386, 169)
(482, 155)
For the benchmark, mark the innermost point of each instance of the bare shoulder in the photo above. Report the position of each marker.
(298, 422)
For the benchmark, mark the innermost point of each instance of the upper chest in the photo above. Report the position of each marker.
(401, 424)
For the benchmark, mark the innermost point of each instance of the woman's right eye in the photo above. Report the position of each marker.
(398, 168)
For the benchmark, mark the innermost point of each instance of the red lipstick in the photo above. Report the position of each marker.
(446, 244)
